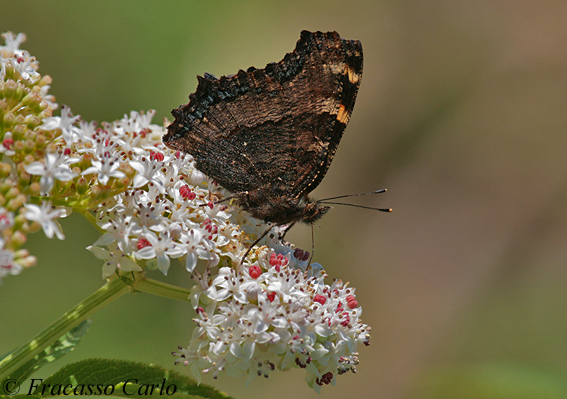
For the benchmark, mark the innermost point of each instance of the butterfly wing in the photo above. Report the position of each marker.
(275, 128)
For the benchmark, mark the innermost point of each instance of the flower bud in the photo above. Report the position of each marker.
(82, 185)
(45, 80)
(96, 191)
(18, 239)
(28, 261)
(31, 100)
(19, 130)
(121, 182)
(5, 169)
(6, 185)
(40, 141)
(11, 192)
(29, 146)
(85, 161)
(9, 120)
(23, 178)
(9, 73)
(34, 227)
(20, 220)
(28, 158)
(46, 113)
(16, 202)
(20, 120)
(43, 106)
(21, 91)
(10, 86)
(35, 188)
(32, 121)
(127, 169)
(18, 146)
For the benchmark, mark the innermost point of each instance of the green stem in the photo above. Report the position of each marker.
(161, 289)
(107, 293)
(90, 217)
(112, 290)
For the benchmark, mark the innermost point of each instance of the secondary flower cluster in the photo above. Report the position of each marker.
(152, 205)
(274, 315)
(24, 105)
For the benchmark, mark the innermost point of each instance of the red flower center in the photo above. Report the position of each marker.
(255, 271)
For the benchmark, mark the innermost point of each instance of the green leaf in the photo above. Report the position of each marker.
(123, 378)
(491, 381)
(58, 349)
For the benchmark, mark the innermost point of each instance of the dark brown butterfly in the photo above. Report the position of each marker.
(269, 135)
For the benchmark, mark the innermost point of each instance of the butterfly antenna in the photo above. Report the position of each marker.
(358, 206)
(382, 190)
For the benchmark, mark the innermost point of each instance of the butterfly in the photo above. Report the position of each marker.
(269, 135)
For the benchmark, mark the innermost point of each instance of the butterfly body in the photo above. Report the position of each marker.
(280, 210)
(269, 135)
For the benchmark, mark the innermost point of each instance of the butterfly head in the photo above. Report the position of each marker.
(313, 211)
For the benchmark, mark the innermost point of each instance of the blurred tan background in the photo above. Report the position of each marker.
(461, 115)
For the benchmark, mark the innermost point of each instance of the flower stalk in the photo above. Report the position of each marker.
(112, 290)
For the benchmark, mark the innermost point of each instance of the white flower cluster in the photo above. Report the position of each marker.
(271, 311)
(166, 212)
(274, 315)
(11, 55)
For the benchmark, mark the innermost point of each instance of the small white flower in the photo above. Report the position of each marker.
(7, 144)
(148, 172)
(118, 230)
(264, 315)
(3, 63)
(7, 264)
(46, 215)
(137, 122)
(228, 286)
(161, 248)
(197, 248)
(115, 259)
(106, 168)
(88, 129)
(6, 219)
(64, 122)
(54, 167)
(25, 65)
(48, 98)
(12, 43)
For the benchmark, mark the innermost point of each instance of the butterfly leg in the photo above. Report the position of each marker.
(312, 246)
(289, 226)
(236, 195)
(230, 197)
(264, 234)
